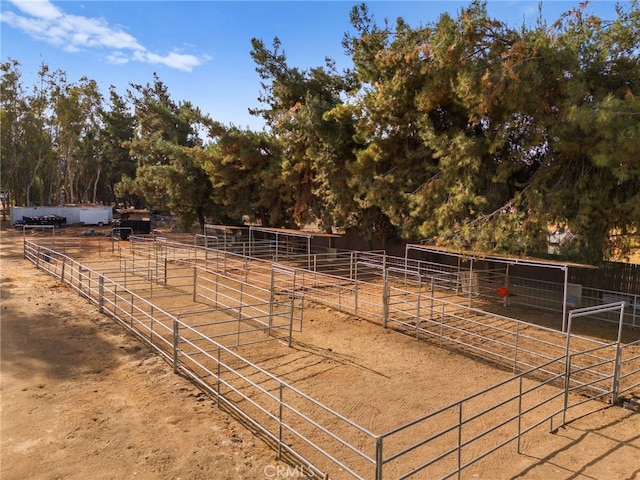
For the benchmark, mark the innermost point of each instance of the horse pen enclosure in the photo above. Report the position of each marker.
(357, 364)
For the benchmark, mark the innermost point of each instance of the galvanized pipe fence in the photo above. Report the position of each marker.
(286, 416)
(422, 305)
(407, 302)
(481, 286)
(313, 433)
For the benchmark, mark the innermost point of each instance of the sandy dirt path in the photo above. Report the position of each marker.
(83, 399)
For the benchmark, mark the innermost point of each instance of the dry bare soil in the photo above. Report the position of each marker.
(83, 399)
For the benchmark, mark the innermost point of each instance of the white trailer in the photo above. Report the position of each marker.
(96, 216)
(75, 214)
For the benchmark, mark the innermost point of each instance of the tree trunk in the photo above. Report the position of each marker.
(95, 185)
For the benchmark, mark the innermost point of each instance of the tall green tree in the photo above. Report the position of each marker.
(168, 147)
(117, 132)
(592, 178)
(433, 121)
(28, 169)
(244, 168)
(76, 126)
(479, 135)
(315, 148)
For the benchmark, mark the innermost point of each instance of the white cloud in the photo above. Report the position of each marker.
(38, 8)
(44, 21)
(117, 58)
(176, 60)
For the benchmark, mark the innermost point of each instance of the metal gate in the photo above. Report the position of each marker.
(595, 372)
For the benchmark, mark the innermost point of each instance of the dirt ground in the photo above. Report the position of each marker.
(83, 399)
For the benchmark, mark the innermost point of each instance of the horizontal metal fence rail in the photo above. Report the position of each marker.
(629, 368)
(313, 433)
(404, 307)
(300, 420)
(425, 306)
(279, 411)
(509, 415)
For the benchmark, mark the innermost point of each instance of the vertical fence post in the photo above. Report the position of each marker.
(355, 297)
(101, 293)
(519, 412)
(131, 316)
(280, 423)
(218, 380)
(64, 264)
(353, 268)
(155, 264)
(378, 472)
(385, 298)
(442, 324)
(418, 308)
(459, 469)
(151, 323)
(176, 337)
(271, 298)
(515, 348)
(615, 384)
(224, 261)
(470, 286)
(565, 402)
(195, 283)
(564, 299)
(239, 320)
(115, 299)
(217, 282)
(293, 299)
(433, 294)
(567, 329)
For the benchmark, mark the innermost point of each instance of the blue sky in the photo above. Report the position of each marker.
(200, 49)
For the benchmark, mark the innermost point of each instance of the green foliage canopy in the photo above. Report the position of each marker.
(464, 132)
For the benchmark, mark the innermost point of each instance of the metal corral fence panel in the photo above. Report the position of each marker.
(482, 286)
(295, 422)
(499, 415)
(428, 306)
(355, 297)
(302, 427)
(629, 373)
(592, 296)
(323, 439)
(199, 271)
